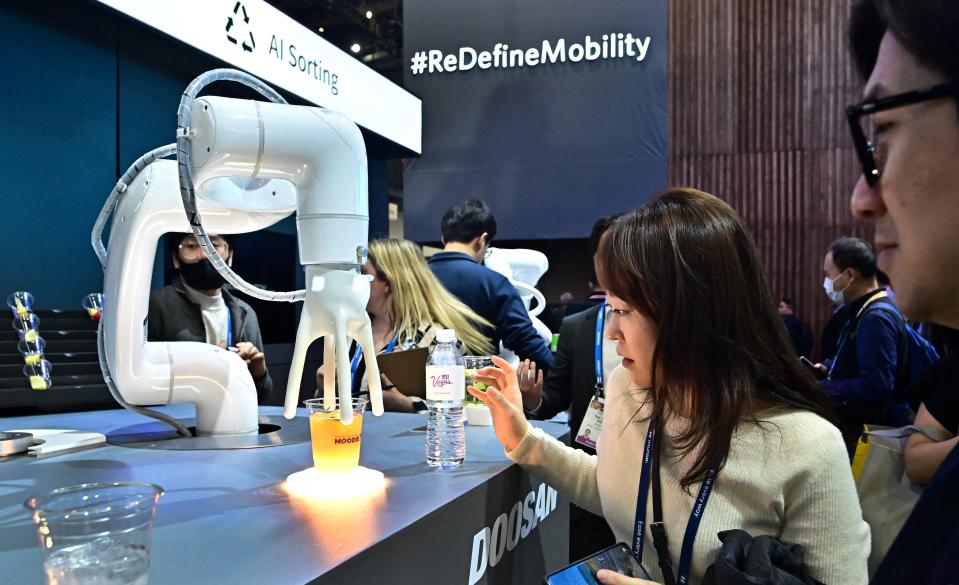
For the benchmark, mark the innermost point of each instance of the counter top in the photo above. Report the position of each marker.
(226, 516)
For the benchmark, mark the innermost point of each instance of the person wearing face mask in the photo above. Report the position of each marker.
(196, 307)
(862, 374)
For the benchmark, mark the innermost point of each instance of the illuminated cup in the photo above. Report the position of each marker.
(39, 375)
(32, 351)
(336, 447)
(96, 532)
(476, 412)
(28, 327)
(93, 303)
(21, 303)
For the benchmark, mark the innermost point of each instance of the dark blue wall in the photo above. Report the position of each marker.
(86, 93)
(58, 157)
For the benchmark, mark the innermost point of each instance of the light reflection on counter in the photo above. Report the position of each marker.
(355, 484)
(342, 509)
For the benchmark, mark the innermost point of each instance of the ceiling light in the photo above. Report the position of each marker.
(321, 29)
(355, 47)
(369, 14)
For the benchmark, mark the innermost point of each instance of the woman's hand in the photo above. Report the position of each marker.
(504, 400)
(607, 577)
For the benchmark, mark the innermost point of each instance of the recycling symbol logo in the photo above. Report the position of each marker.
(238, 28)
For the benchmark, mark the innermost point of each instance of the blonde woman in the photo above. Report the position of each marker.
(407, 304)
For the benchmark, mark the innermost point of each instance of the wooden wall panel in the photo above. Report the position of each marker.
(758, 90)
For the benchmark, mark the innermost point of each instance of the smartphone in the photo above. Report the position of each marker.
(618, 558)
(812, 367)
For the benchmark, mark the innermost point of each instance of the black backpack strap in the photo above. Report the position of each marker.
(886, 305)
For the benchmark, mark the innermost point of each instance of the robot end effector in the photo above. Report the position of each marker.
(323, 155)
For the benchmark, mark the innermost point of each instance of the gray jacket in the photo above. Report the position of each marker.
(174, 317)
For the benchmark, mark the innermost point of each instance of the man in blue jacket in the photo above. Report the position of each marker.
(910, 191)
(468, 228)
(862, 374)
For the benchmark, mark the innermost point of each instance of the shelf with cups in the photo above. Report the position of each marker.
(48, 357)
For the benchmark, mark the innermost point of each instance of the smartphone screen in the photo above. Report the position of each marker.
(616, 558)
(819, 375)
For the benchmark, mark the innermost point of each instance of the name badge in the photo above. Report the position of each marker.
(592, 425)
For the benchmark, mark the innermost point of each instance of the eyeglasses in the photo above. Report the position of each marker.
(193, 250)
(865, 133)
(489, 251)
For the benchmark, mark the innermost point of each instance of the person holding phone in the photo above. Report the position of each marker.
(710, 414)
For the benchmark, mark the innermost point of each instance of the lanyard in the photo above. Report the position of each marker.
(695, 517)
(359, 356)
(229, 328)
(600, 321)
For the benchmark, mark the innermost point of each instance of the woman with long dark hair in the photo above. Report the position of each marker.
(711, 413)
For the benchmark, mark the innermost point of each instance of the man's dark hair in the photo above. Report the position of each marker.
(599, 228)
(926, 28)
(854, 253)
(465, 221)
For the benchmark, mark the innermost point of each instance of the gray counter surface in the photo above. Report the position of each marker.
(225, 516)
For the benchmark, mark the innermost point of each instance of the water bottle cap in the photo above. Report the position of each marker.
(446, 336)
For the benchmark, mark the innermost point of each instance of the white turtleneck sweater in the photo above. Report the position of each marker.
(215, 314)
(788, 478)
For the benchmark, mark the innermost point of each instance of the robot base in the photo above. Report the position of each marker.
(274, 431)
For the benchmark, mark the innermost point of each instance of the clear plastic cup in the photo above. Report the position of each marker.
(39, 374)
(93, 303)
(28, 327)
(21, 303)
(32, 351)
(336, 447)
(96, 532)
(476, 412)
(474, 363)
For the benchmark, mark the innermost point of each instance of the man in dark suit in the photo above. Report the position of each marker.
(573, 383)
(468, 228)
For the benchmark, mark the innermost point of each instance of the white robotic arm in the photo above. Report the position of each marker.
(323, 155)
(215, 380)
(523, 268)
(252, 164)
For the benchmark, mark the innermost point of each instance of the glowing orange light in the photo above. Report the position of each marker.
(358, 483)
(341, 509)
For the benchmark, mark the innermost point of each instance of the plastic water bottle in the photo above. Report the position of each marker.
(445, 395)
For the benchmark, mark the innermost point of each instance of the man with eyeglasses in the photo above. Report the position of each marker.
(196, 307)
(467, 230)
(907, 138)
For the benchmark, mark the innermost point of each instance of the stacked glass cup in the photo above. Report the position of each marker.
(37, 370)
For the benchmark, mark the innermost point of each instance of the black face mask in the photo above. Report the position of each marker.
(201, 275)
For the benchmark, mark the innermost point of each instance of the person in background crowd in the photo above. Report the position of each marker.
(596, 292)
(407, 304)
(573, 383)
(196, 307)
(910, 190)
(468, 228)
(862, 374)
(744, 429)
(799, 331)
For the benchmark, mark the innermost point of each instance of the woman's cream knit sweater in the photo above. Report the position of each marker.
(788, 477)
